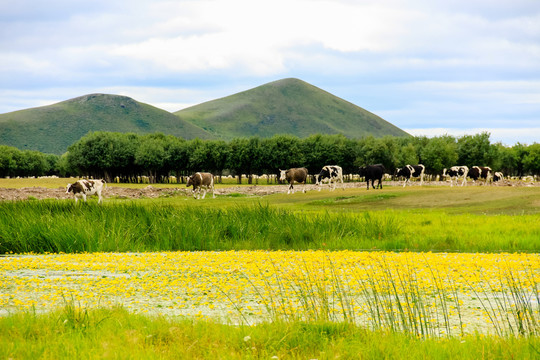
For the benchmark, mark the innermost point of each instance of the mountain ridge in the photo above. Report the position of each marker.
(286, 106)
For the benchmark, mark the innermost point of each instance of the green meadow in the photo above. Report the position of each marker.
(420, 219)
(470, 219)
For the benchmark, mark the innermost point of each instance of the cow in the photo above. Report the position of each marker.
(294, 174)
(480, 172)
(330, 173)
(372, 172)
(201, 181)
(409, 171)
(86, 187)
(455, 172)
(498, 176)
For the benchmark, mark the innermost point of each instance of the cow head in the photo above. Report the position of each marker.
(282, 175)
(190, 181)
(69, 188)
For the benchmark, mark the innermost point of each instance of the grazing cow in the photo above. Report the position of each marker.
(480, 172)
(498, 176)
(410, 171)
(295, 174)
(455, 172)
(372, 172)
(82, 188)
(330, 173)
(201, 180)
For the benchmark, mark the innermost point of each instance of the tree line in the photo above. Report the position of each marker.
(129, 156)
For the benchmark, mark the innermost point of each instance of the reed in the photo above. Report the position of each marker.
(389, 296)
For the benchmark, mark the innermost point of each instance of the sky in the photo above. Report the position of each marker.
(430, 67)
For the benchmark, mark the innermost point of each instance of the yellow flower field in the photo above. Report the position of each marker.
(453, 293)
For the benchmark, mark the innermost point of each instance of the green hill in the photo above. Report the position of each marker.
(288, 106)
(51, 129)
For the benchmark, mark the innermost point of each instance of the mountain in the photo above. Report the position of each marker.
(288, 106)
(52, 128)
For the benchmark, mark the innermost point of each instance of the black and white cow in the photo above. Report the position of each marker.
(294, 174)
(83, 188)
(480, 172)
(409, 171)
(201, 181)
(455, 172)
(372, 172)
(330, 173)
(498, 176)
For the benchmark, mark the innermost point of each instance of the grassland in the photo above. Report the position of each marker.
(439, 218)
(353, 304)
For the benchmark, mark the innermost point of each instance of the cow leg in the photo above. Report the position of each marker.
(84, 197)
(380, 183)
(99, 197)
(204, 192)
(405, 183)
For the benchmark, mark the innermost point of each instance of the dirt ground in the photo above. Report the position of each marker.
(157, 192)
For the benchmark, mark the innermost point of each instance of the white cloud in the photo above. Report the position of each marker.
(418, 64)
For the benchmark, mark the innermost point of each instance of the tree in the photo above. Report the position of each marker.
(439, 153)
(244, 157)
(150, 155)
(375, 151)
(32, 163)
(475, 150)
(531, 161)
(8, 160)
(284, 152)
(103, 154)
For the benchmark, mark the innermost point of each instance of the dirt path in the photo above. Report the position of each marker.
(156, 191)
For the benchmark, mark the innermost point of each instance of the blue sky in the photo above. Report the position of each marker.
(430, 67)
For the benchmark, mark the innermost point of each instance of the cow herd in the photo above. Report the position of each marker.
(332, 174)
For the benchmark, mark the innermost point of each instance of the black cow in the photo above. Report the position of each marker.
(455, 172)
(330, 173)
(498, 176)
(372, 172)
(410, 171)
(295, 174)
(480, 172)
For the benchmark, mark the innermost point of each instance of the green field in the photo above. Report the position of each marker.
(420, 219)
(430, 218)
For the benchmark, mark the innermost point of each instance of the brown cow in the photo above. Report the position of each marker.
(201, 180)
(295, 174)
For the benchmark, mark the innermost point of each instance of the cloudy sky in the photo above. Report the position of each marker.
(430, 67)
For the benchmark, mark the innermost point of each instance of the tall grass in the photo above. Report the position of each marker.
(53, 226)
(393, 297)
(62, 226)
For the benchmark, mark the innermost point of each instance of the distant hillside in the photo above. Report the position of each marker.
(288, 106)
(51, 129)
